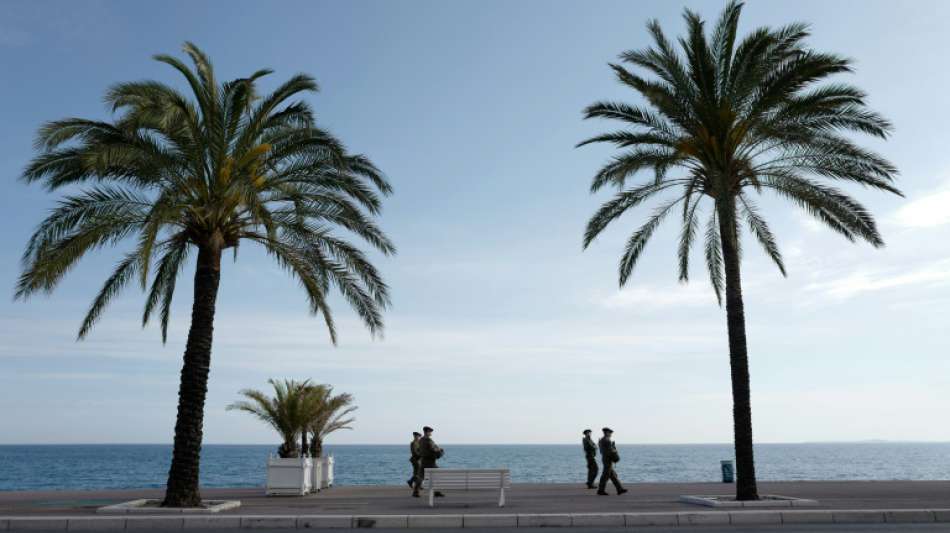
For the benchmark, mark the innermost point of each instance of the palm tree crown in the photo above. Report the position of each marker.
(286, 411)
(227, 166)
(328, 413)
(725, 121)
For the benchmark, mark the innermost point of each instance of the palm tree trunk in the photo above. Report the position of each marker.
(182, 489)
(316, 444)
(746, 488)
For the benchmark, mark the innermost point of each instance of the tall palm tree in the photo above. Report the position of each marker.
(204, 172)
(286, 411)
(724, 121)
(328, 413)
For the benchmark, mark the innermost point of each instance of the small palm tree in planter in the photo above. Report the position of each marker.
(297, 410)
(290, 473)
(327, 413)
(285, 412)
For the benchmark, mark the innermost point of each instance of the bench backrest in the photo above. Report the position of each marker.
(467, 479)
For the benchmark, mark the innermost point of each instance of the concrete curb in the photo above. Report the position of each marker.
(689, 518)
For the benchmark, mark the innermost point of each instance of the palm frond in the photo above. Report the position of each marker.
(760, 230)
(207, 167)
(713, 252)
(637, 241)
(621, 203)
(124, 271)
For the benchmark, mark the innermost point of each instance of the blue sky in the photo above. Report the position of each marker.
(502, 329)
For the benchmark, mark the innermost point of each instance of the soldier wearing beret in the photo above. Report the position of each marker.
(414, 458)
(429, 453)
(609, 457)
(590, 453)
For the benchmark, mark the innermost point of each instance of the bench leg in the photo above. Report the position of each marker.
(501, 498)
(432, 497)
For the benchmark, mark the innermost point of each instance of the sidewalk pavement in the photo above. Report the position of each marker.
(528, 505)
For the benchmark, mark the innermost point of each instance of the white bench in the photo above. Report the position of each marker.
(437, 479)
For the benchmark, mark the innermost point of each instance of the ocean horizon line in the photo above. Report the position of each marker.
(449, 443)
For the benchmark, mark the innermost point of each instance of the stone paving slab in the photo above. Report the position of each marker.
(269, 522)
(544, 520)
(96, 523)
(908, 516)
(651, 519)
(383, 521)
(742, 518)
(597, 519)
(807, 517)
(441, 520)
(704, 518)
(325, 522)
(37, 523)
(489, 520)
(858, 517)
(211, 522)
(156, 522)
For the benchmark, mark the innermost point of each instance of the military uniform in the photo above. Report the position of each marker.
(590, 453)
(414, 460)
(609, 457)
(429, 453)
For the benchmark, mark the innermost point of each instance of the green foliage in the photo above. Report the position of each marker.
(287, 411)
(327, 413)
(724, 120)
(212, 169)
(299, 408)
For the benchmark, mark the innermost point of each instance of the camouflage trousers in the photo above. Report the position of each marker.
(609, 474)
(591, 471)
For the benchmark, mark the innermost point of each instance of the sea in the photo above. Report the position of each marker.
(90, 467)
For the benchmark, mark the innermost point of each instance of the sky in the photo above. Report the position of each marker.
(502, 329)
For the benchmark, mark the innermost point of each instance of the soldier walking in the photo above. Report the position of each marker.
(414, 458)
(609, 456)
(429, 453)
(590, 453)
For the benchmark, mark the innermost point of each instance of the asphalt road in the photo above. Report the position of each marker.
(817, 528)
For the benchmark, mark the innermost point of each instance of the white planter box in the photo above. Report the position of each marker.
(326, 477)
(316, 474)
(288, 477)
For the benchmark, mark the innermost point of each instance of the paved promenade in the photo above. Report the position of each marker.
(522, 499)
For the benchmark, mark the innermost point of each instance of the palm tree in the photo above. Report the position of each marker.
(723, 122)
(203, 173)
(327, 413)
(285, 412)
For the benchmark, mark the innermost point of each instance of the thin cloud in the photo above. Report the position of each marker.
(858, 283)
(926, 211)
(70, 376)
(648, 296)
